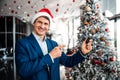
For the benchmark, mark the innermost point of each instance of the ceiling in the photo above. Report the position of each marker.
(25, 9)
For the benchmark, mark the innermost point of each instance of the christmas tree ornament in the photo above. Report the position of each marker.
(87, 8)
(107, 29)
(97, 6)
(14, 2)
(107, 43)
(12, 11)
(102, 63)
(56, 10)
(70, 52)
(92, 31)
(28, 15)
(99, 53)
(29, 2)
(58, 4)
(86, 23)
(102, 38)
(92, 17)
(111, 58)
(73, 0)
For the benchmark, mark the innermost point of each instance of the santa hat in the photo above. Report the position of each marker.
(43, 12)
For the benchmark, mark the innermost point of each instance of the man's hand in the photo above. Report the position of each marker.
(57, 51)
(86, 46)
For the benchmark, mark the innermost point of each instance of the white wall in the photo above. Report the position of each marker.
(118, 28)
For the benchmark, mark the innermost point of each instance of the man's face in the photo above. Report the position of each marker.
(41, 26)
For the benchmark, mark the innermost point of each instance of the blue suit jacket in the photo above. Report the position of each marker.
(31, 64)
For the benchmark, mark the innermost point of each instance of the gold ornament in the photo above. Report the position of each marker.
(87, 8)
(107, 43)
(102, 38)
(86, 23)
(92, 31)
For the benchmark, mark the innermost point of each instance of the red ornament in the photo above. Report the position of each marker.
(73, 0)
(57, 4)
(16, 12)
(57, 10)
(113, 71)
(96, 61)
(93, 17)
(28, 15)
(12, 11)
(111, 59)
(107, 29)
(28, 2)
(14, 2)
(71, 52)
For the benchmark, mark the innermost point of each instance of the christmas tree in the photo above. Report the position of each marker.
(101, 63)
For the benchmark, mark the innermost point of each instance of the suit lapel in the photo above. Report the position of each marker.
(49, 45)
(35, 45)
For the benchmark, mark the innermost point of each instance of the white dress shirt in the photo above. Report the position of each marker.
(42, 44)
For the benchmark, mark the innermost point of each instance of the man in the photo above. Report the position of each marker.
(39, 58)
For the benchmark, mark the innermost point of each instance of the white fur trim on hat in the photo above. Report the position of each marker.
(40, 14)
